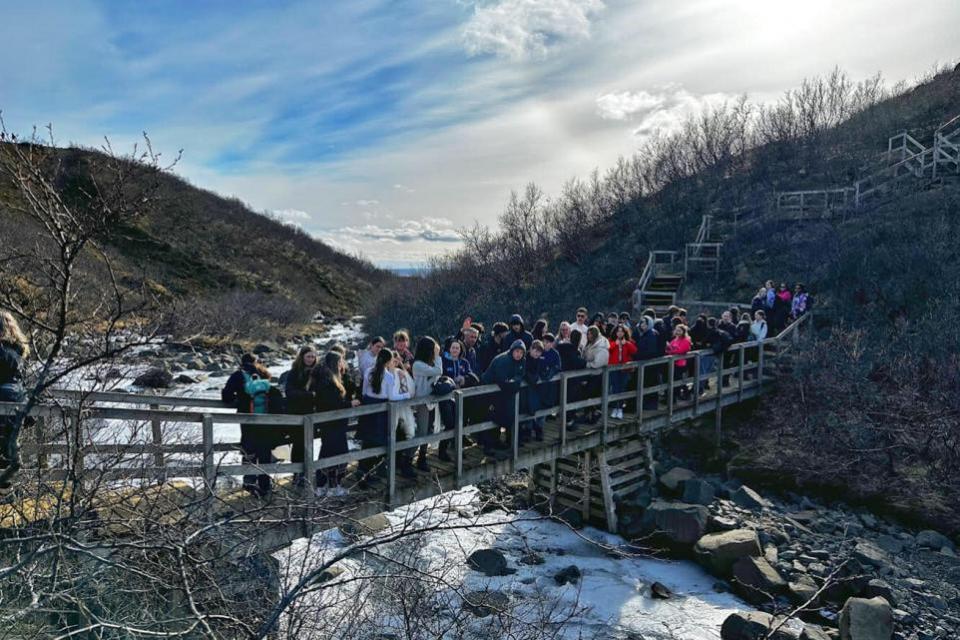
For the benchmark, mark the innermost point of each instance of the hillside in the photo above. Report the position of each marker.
(871, 413)
(196, 246)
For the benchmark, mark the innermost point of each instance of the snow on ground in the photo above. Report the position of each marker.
(612, 599)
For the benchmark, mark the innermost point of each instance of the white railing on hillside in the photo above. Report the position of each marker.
(658, 262)
(946, 146)
(702, 252)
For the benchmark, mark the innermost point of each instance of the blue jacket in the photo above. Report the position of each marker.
(506, 372)
(456, 368)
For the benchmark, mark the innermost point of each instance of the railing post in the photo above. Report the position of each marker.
(670, 383)
(458, 440)
(605, 401)
(740, 364)
(209, 465)
(563, 411)
(719, 414)
(157, 432)
(309, 459)
(391, 453)
(760, 366)
(515, 436)
(640, 369)
(696, 384)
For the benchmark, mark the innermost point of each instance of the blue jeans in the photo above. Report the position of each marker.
(708, 363)
(618, 383)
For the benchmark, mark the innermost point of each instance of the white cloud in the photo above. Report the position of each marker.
(404, 188)
(367, 203)
(428, 229)
(662, 109)
(519, 29)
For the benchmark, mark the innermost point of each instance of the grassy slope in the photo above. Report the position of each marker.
(199, 244)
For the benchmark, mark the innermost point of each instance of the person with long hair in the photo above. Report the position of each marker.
(300, 399)
(401, 344)
(427, 369)
(539, 329)
(622, 350)
(248, 390)
(379, 387)
(14, 348)
(680, 345)
(572, 360)
(597, 355)
(331, 395)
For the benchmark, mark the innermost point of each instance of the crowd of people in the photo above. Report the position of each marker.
(13, 349)
(507, 355)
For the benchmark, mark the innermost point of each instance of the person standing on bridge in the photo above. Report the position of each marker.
(572, 360)
(300, 399)
(401, 344)
(597, 356)
(648, 348)
(494, 346)
(680, 345)
(471, 339)
(331, 395)
(518, 332)
(507, 371)
(801, 301)
(622, 349)
(427, 369)
(13, 349)
(367, 358)
(380, 387)
(580, 324)
(248, 391)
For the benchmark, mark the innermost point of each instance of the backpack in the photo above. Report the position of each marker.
(259, 391)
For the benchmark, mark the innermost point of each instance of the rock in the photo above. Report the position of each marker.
(802, 590)
(868, 553)
(866, 619)
(329, 574)
(932, 540)
(748, 498)
(676, 522)
(889, 543)
(673, 480)
(630, 520)
(266, 347)
(698, 492)
(365, 526)
(721, 523)
(660, 591)
(154, 378)
(868, 520)
(570, 575)
(185, 379)
(719, 551)
(112, 374)
(751, 625)
(881, 588)
(806, 518)
(573, 517)
(489, 562)
(531, 558)
(756, 580)
(771, 554)
(485, 603)
(813, 632)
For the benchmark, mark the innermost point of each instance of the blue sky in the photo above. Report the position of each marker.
(383, 127)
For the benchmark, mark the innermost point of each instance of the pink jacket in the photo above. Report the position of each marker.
(679, 346)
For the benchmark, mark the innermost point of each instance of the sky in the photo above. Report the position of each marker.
(383, 127)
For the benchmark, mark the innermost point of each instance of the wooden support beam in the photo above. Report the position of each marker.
(391, 454)
(608, 505)
(458, 441)
(209, 464)
(585, 507)
(309, 459)
(157, 433)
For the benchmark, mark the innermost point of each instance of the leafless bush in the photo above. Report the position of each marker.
(250, 315)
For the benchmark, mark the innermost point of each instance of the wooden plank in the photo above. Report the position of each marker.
(157, 434)
(209, 465)
(605, 402)
(458, 441)
(607, 493)
(391, 454)
(309, 459)
(586, 484)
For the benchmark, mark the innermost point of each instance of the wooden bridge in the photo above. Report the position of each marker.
(750, 368)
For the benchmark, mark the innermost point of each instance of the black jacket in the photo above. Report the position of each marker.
(233, 393)
(489, 351)
(506, 372)
(570, 358)
(300, 400)
(648, 346)
(10, 363)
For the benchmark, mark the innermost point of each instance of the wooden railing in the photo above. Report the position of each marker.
(658, 262)
(701, 252)
(748, 356)
(822, 200)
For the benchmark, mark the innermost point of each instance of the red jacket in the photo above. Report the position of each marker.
(622, 354)
(679, 346)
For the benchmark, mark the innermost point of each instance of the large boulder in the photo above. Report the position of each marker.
(489, 562)
(719, 551)
(869, 554)
(673, 480)
(756, 580)
(866, 619)
(751, 625)
(933, 540)
(154, 378)
(803, 590)
(569, 575)
(675, 522)
(698, 492)
(748, 498)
